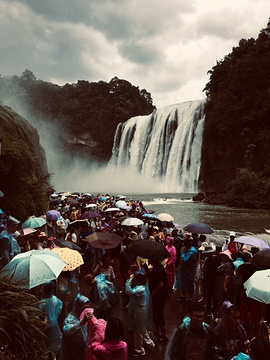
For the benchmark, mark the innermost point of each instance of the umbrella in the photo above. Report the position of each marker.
(104, 241)
(67, 244)
(131, 221)
(53, 215)
(103, 198)
(90, 215)
(150, 216)
(90, 206)
(73, 202)
(198, 228)
(34, 222)
(32, 268)
(257, 286)
(77, 223)
(120, 204)
(262, 259)
(112, 210)
(72, 258)
(27, 231)
(252, 241)
(147, 249)
(165, 217)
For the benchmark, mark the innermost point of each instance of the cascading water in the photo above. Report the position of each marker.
(164, 147)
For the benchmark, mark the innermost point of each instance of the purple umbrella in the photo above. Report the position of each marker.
(53, 215)
(90, 215)
(249, 240)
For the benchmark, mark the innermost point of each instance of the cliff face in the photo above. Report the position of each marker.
(23, 168)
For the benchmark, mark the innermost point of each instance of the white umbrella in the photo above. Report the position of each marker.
(257, 286)
(32, 268)
(90, 206)
(120, 204)
(165, 217)
(132, 222)
(112, 210)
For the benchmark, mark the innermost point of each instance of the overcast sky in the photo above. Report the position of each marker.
(163, 46)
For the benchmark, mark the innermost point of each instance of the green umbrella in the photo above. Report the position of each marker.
(34, 222)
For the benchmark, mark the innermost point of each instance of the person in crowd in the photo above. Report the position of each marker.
(194, 338)
(139, 311)
(210, 265)
(231, 245)
(7, 242)
(224, 288)
(157, 286)
(66, 220)
(51, 307)
(105, 267)
(95, 331)
(105, 296)
(74, 333)
(112, 348)
(247, 305)
(187, 269)
(71, 235)
(230, 336)
(170, 265)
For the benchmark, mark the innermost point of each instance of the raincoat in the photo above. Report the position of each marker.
(170, 265)
(110, 350)
(187, 270)
(139, 312)
(51, 307)
(75, 336)
(95, 333)
(107, 299)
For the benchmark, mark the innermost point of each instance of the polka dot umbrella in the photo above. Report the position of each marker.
(72, 258)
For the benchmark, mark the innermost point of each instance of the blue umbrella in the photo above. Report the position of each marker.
(150, 216)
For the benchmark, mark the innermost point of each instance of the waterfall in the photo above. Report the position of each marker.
(163, 148)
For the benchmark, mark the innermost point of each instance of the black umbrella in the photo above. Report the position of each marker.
(262, 259)
(198, 228)
(104, 241)
(68, 244)
(147, 249)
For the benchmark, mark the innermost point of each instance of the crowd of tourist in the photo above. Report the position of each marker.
(222, 324)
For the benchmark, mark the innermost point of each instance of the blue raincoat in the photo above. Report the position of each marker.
(75, 336)
(187, 270)
(51, 308)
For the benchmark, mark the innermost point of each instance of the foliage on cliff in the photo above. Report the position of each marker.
(23, 170)
(94, 109)
(237, 114)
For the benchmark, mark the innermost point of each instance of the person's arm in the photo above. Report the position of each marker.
(158, 288)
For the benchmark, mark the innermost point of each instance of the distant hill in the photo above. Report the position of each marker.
(86, 114)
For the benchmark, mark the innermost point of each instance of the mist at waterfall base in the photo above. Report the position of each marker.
(157, 153)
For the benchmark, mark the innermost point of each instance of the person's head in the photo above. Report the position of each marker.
(225, 256)
(170, 240)
(246, 256)
(196, 314)
(48, 289)
(232, 236)
(138, 279)
(89, 280)
(106, 261)
(81, 302)
(231, 317)
(114, 329)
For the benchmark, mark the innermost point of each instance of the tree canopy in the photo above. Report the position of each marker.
(237, 114)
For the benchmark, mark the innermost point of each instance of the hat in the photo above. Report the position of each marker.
(227, 253)
(133, 235)
(133, 269)
(203, 245)
(232, 233)
(208, 250)
(151, 238)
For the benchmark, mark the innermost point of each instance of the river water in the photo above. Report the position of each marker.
(221, 219)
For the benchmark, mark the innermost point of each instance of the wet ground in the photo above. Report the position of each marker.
(174, 313)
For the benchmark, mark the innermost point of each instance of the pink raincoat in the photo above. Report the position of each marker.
(96, 332)
(110, 350)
